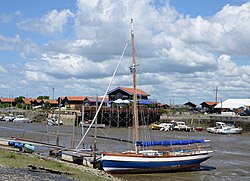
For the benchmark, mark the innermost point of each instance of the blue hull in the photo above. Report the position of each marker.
(143, 167)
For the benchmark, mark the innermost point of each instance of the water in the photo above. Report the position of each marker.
(230, 160)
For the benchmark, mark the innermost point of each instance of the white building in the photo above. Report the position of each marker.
(234, 104)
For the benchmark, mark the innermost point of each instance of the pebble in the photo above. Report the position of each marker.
(20, 174)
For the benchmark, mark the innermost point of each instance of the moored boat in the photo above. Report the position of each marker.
(181, 126)
(163, 157)
(151, 160)
(223, 128)
(21, 119)
(159, 126)
(28, 148)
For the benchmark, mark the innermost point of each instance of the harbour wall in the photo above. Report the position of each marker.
(124, 117)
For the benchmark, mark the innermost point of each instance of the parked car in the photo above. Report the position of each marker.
(245, 113)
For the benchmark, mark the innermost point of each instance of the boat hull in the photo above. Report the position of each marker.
(144, 164)
(27, 148)
(231, 131)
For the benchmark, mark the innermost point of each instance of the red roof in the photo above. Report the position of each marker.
(38, 100)
(27, 100)
(131, 91)
(75, 98)
(7, 99)
(93, 99)
(211, 103)
(51, 101)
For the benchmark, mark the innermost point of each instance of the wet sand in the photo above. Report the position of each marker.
(230, 161)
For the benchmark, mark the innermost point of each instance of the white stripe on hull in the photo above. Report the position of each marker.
(154, 159)
(165, 163)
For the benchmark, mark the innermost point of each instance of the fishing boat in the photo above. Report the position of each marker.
(154, 156)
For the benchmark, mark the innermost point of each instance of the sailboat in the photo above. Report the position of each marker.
(154, 156)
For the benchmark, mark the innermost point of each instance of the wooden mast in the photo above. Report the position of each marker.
(134, 84)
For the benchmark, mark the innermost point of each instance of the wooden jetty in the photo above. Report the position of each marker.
(82, 157)
(121, 117)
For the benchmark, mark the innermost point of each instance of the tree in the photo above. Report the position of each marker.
(19, 100)
(47, 105)
(43, 97)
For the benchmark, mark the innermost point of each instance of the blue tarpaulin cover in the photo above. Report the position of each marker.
(168, 142)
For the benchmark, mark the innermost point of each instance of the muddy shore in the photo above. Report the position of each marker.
(230, 161)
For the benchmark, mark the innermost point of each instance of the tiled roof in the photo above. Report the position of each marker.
(75, 98)
(212, 103)
(93, 99)
(51, 101)
(131, 91)
(38, 100)
(7, 99)
(27, 100)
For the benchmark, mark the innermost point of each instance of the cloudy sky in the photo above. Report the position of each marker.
(184, 49)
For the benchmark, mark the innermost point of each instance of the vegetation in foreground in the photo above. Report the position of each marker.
(17, 160)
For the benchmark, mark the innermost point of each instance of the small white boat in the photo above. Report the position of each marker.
(21, 119)
(28, 148)
(88, 123)
(8, 118)
(167, 127)
(181, 126)
(211, 129)
(160, 126)
(53, 121)
(223, 128)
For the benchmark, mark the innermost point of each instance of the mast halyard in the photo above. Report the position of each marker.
(134, 87)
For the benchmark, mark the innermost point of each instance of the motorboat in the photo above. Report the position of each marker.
(181, 126)
(167, 127)
(8, 118)
(160, 126)
(211, 129)
(53, 121)
(88, 123)
(21, 119)
(223, 128)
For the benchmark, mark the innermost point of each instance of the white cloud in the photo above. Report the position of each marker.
(3, 70)
(37, 76)
(186, 53)
(64, 66)
(6, 18)
(9, 43)
(82, 43)
(51, 23)
(177, 55)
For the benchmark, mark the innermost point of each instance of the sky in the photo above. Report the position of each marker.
(185, 49)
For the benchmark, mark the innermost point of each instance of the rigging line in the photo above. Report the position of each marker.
(104, 95)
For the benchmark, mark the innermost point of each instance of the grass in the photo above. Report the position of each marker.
(17, 160)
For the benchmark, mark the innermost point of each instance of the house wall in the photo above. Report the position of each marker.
(119, 94)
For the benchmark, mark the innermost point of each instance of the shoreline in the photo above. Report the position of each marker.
(56, 169)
